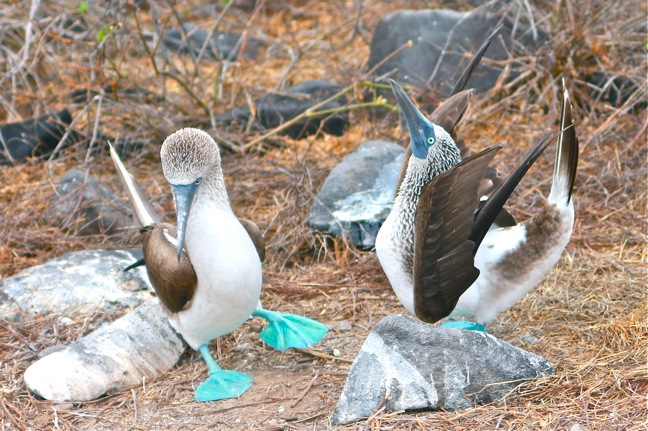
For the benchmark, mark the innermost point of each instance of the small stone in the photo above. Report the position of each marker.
(342, 325)
(336, 352)
(281, 409)
(578, 427)
(66, 321)
(241, 347)
(529, 339)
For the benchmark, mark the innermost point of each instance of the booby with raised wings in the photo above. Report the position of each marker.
(439, 257)
(207, 271)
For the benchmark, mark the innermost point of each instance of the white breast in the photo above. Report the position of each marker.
(390, 242)
(229, 276)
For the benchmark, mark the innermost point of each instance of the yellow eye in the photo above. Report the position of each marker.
(197, 182)
(430, 140)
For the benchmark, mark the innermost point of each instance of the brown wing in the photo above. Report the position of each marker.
(174, 282)
(447, 115)
(256, 236)
(443, 253)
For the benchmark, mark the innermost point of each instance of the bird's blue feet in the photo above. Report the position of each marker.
(221, 384)
(464, 324)
(286, 331)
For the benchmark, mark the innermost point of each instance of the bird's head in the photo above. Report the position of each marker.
(188, 156)
(423, 133)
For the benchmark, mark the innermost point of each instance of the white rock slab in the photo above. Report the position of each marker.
(76, 283)
(139, 346)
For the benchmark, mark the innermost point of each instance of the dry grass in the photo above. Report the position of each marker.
(589, 315)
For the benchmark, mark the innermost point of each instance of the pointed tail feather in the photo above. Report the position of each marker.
(143, 211)
(566, 161)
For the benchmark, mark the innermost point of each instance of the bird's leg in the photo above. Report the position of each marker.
(285, 331)
(220, 384)
(464, 324)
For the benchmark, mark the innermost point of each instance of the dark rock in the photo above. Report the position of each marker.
(222, 45)
(138, 347)
(453, 33)
(37, 137)
(274, 109)
(357, 195)
(77, 282)
(615, 90)
(81, 205)
(113, 92)
(406, 364)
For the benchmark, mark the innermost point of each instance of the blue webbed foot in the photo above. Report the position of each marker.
(221, 384)
(464, 324)
(286, 331)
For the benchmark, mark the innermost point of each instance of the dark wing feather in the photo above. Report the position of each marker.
(566, 162)
(490, 210)
(465, 76)
(256, 236)
(174, 282)
(443, 254)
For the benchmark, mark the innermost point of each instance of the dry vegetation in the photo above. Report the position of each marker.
(589, 315)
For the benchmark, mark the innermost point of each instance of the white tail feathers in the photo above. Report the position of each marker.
(566, 155)
(143, 211)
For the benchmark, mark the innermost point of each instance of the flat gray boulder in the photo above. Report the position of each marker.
(356, 197)
(406, 364)
(76, 283)
(138, 347)
(444, 42)
(81, 205)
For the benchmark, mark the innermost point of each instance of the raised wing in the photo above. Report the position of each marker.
(443, 253)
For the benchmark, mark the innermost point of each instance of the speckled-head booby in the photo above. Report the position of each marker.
(207, 271)
(440, 258)
(450, 113)
(433, 152)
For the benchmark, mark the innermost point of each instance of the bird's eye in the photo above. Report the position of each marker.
(430, 140)
(197, 182)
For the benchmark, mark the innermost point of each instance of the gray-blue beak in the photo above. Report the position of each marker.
(420, 128)
(184, 195)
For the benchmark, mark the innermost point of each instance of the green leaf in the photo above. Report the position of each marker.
(83, 7)
(101, 35)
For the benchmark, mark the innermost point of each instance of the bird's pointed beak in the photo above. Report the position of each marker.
(415, 121)
(184, 195)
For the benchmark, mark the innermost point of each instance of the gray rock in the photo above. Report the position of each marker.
(77, 282)
(222, 45)
(136, 348)
(406, 364)
(33, 138)
(357, 195)
(441, 38)
(81, 205)
(274, 109)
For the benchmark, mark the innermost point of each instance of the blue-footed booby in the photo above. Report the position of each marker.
(441, 258)
(207, 271)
